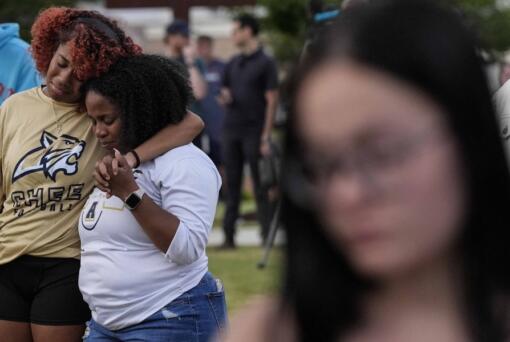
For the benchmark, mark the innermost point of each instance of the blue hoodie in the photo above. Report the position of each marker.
(17, 69)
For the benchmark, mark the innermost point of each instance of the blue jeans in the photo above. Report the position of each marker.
(195, 316)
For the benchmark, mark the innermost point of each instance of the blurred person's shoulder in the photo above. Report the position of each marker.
(267, 57)
(17, 47)
(22, 97)
(502, 99)
(235, 59)
(264, 319)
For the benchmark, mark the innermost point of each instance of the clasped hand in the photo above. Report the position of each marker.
(114, 175)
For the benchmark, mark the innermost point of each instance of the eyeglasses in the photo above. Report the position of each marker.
(375, 165)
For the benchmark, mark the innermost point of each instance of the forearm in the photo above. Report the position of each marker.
(269, 119)
(180, 224)
(159, 225)
(197, 83)
(268, 125)
(170, 137)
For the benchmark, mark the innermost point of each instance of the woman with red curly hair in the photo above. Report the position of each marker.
(48, 153)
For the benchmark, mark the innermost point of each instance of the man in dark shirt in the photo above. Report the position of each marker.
(250, 93)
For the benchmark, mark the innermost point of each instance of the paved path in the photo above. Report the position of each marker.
(246, 236)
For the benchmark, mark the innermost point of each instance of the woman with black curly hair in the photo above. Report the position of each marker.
(47, 155)
(144, 271)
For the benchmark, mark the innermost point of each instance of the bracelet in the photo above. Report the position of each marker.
(137, 158)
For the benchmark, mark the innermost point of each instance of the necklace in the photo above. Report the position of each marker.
(57, 120)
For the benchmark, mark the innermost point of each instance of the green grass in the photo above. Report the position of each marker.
(240, 275)
(248, 205)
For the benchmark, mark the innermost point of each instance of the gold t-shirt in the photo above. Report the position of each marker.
(47, 155)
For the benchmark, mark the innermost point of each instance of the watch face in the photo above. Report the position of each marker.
(132, 201)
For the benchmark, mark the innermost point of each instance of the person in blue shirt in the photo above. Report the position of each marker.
(178, 48)
(212, 111)
(17, 70)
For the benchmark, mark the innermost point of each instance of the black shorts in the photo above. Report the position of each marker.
(42, 291)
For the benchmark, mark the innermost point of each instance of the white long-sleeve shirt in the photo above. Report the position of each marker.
(124, 277)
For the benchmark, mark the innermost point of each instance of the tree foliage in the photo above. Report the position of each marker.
(24, 12)
(288, 21)
(490, 20)
(286, 25)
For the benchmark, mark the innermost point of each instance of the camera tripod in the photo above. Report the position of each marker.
(271, 236)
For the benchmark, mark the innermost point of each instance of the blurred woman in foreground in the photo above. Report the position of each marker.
(396, 188)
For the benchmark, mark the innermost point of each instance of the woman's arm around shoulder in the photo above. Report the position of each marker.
(170, 137)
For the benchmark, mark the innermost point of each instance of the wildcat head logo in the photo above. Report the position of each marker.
(52, 156)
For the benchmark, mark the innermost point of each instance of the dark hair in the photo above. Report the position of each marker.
(205, 39)
(429, 47)
(248, 20)
(96, 42)
(150, 91)
(178, 27)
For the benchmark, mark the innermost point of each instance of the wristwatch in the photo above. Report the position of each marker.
(134, 199)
